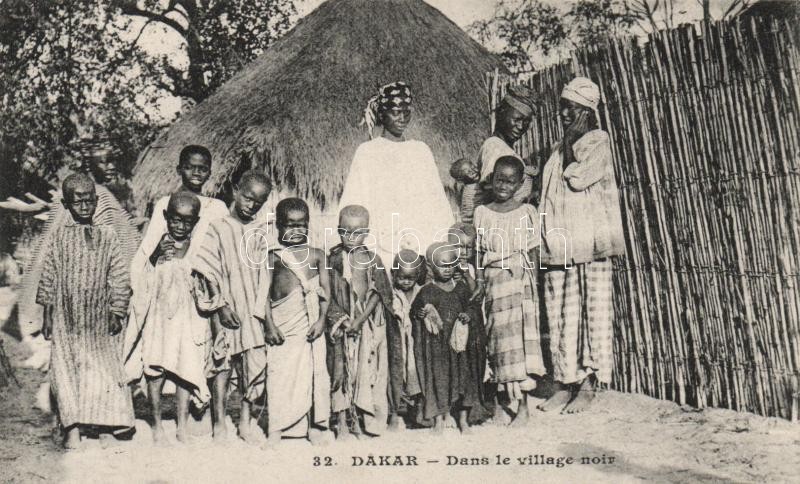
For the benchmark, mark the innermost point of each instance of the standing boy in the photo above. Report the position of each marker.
(85, 289)
(230, 259)
(292, 302)
(361, 302)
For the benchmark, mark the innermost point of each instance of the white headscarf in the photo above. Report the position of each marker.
(583, 91)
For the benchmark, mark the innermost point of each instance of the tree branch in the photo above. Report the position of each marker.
(132, 10)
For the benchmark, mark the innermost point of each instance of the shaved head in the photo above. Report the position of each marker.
(255, 177)
(408, 259)
(184, 199)
(354, 212)
(76, 182)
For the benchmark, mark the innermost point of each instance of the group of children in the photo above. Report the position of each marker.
(335, 338)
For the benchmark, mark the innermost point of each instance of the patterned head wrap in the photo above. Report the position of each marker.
(394, 95)
(583, 91)
(520, 98)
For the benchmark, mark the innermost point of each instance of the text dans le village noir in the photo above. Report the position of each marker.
(452, 460)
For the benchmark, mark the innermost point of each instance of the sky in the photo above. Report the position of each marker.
(462, 12)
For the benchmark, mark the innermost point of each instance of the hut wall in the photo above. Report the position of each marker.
(705, 129)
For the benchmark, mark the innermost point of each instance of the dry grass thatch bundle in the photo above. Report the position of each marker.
(295, 110)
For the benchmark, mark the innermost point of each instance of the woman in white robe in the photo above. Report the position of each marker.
(397, 180)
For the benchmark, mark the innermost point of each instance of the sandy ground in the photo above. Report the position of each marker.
(624, 438)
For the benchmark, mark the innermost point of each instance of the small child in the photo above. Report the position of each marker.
(85, 289)
(506, 246)
(361, 303)
(407, 269)
(446, 342)
(229, 260)
(467, 175)
(463, 236)
(292, 303)
(174, 336)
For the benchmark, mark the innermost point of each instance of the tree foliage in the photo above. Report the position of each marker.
(530, 33)
(71, 69)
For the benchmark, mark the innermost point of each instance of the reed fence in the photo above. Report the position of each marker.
(705, 129)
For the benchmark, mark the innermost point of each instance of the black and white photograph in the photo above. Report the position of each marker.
(378, 241)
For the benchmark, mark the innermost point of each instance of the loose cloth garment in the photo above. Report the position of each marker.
(231, 257)
(399, 184)
(580, 203)
(365, 384)
(298, 383)
(210, 209)
(448, 378)
(512, 303)
(85, 279)
(174, 337)
(108, 212)
(582, 207)
(580, 311)
(403, 379)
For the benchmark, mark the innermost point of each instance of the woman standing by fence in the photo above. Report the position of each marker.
(581, 230)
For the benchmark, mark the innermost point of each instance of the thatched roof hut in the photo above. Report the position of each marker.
(295, 110)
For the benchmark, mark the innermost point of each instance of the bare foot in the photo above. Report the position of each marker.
(107, 440)
(250, 436)
(159, 437)
(343, 432)
(449, 422)
(463, 425)
(395, 423)
(220, 432)
(556, 402)
(181, 436)
(274, 438)
(438, 425)
(319, 437)
(583, 397)
(499, 415)
(521, 418)
(73, 439)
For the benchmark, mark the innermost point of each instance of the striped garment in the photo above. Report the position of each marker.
(108, 212)
(512, 303)
(512, 308)
(85, 279)
(230, 257)
(579, 314)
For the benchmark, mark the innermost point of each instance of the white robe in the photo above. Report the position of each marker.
(401, 179)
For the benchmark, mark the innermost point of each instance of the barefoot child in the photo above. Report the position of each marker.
(407, 268)
(174, 336)
(292, 303)
(361, 302)
(446, 342)
(506, 244)
(463, 236)
(84, 289)
(194, 168)
(231, 271)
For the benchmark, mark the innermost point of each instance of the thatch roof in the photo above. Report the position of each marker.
(295, 109)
